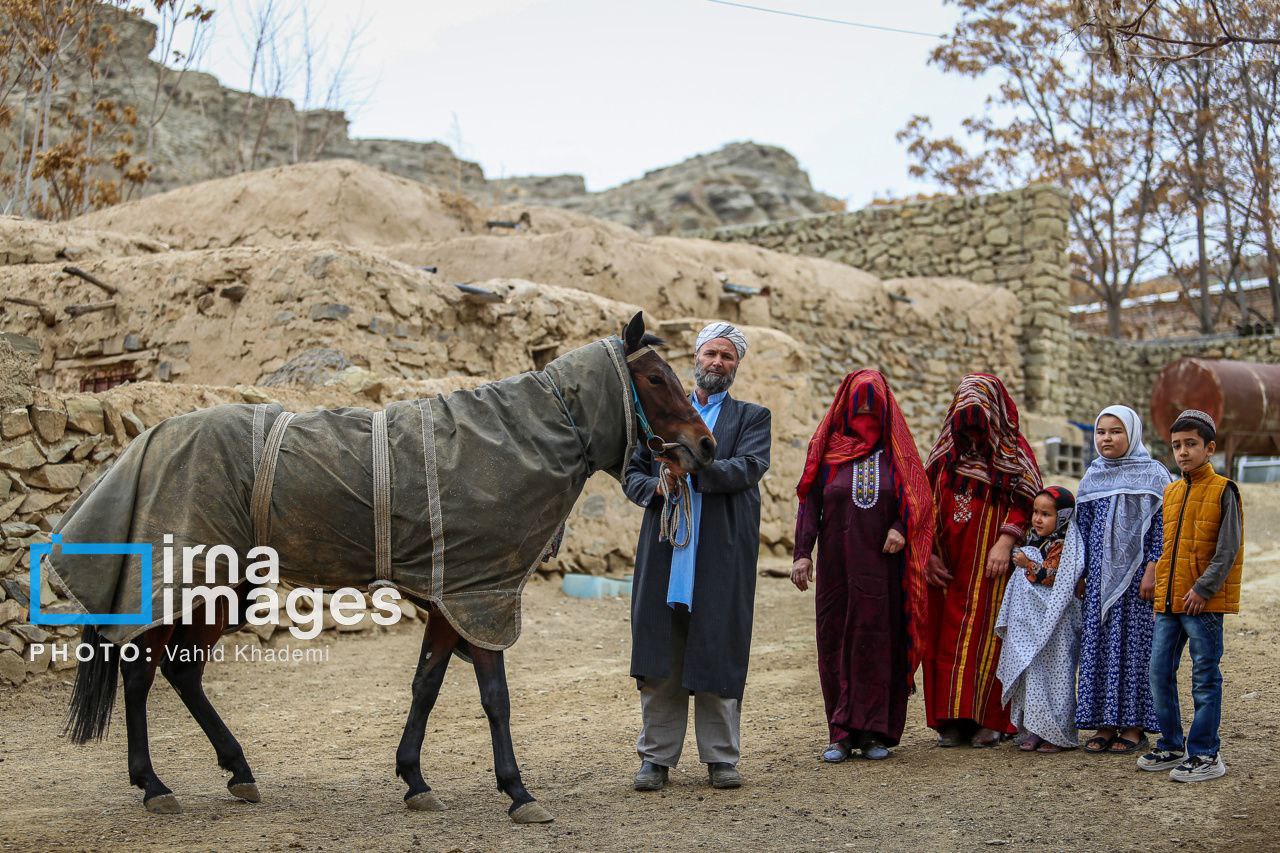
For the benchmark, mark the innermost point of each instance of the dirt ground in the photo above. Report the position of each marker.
(321, 739)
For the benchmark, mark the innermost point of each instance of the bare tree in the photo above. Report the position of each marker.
(326, 87)
(284, 50)
(1054, 118)
(1123, 26)
(175, 20)
(74, 146)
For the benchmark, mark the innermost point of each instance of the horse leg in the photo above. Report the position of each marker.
(138, 676)
(438, 642)
(185, 674)
(491, 676)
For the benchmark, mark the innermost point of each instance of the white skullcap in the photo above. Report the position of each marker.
(728, 331)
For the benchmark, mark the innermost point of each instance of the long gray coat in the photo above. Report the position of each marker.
(724, 586)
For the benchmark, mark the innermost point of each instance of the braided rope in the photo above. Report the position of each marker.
(669, 519)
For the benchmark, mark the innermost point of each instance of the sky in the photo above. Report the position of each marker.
(612, 88)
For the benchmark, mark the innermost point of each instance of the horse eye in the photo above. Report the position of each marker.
(655, 379)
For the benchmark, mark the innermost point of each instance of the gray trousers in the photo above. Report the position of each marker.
(664, 707)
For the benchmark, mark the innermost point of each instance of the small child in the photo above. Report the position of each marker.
(1197, 581)
(1039, 624)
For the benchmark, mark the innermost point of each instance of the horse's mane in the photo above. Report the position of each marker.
(652, 341)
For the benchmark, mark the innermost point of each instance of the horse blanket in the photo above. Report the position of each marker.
(451, 499)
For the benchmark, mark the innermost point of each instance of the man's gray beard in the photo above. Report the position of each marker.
(713, 383)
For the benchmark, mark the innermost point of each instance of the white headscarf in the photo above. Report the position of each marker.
(728, 331)
(1136, 482)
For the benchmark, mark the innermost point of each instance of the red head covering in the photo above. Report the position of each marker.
(845, 435)
(980, 442)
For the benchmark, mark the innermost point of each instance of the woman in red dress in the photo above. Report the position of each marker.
(865, 502)
(985, 478)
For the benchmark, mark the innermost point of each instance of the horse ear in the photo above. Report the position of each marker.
(634, 332)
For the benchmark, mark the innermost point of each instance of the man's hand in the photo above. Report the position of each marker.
(936, 573)
(1193, 603)
(894, 542)
(802, 573)
(998, 556)
(1147, 589)
(673, 483)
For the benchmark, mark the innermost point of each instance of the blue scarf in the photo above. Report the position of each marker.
(684, 560)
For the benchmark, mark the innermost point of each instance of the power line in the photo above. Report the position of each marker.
(884, 29)
(844, 23)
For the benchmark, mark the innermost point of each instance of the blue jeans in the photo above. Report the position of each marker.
(1172, 633)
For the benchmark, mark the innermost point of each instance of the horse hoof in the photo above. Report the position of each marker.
(532, 812)
(247, 791)
(163, 804)
(426, 801)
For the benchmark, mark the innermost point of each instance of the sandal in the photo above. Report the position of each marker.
(1100, 744)
(1130, 746)
(949, 737)
(981, 741)
(1031, 743)
(836, 753)
(1046, 748)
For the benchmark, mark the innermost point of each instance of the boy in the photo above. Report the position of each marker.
(1197, 582)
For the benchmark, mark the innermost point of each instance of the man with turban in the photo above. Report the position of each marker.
(691, 606)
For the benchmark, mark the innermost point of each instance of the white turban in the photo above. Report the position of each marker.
(728, 331)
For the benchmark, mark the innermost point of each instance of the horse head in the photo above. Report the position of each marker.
(671, 427)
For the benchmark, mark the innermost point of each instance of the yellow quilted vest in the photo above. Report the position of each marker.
(1192, 515)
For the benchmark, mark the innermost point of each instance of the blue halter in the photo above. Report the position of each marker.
(653, 441)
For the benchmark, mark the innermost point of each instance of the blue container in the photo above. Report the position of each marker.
(595, 586)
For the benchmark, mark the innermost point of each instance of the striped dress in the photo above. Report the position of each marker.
(960, 671)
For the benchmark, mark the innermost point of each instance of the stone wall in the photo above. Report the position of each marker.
(53, 446)
(1014, 240)
(1106, 371)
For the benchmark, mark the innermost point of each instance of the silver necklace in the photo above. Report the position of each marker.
(865, 488)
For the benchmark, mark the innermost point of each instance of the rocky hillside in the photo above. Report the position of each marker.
(210, 131)
(744, 183)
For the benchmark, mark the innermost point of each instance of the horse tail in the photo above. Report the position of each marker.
(94, 694)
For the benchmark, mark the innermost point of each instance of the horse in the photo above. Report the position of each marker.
(655, 405)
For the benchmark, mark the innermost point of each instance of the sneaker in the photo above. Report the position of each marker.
(1198, 768)
(1161, 759)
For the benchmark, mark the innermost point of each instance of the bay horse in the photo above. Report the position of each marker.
(662, 411)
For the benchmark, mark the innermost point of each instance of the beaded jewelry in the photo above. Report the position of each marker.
(963, 510)
(865, 488)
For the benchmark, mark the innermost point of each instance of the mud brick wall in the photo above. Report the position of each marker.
(1014, 240)
(1109, 371)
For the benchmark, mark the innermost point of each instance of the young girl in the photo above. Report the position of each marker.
(1039, 623)
(1117, 514)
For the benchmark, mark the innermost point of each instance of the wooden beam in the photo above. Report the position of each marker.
(91, 278)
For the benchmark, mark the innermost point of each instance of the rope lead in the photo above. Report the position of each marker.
(669, 521)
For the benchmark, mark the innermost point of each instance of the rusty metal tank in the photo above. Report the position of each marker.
(1243, 397)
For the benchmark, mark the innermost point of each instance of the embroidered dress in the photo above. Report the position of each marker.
(862, 478)
(861, 623)
(985, 477)
(960, 680)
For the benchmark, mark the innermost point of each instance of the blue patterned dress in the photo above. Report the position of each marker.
(1114, 690)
